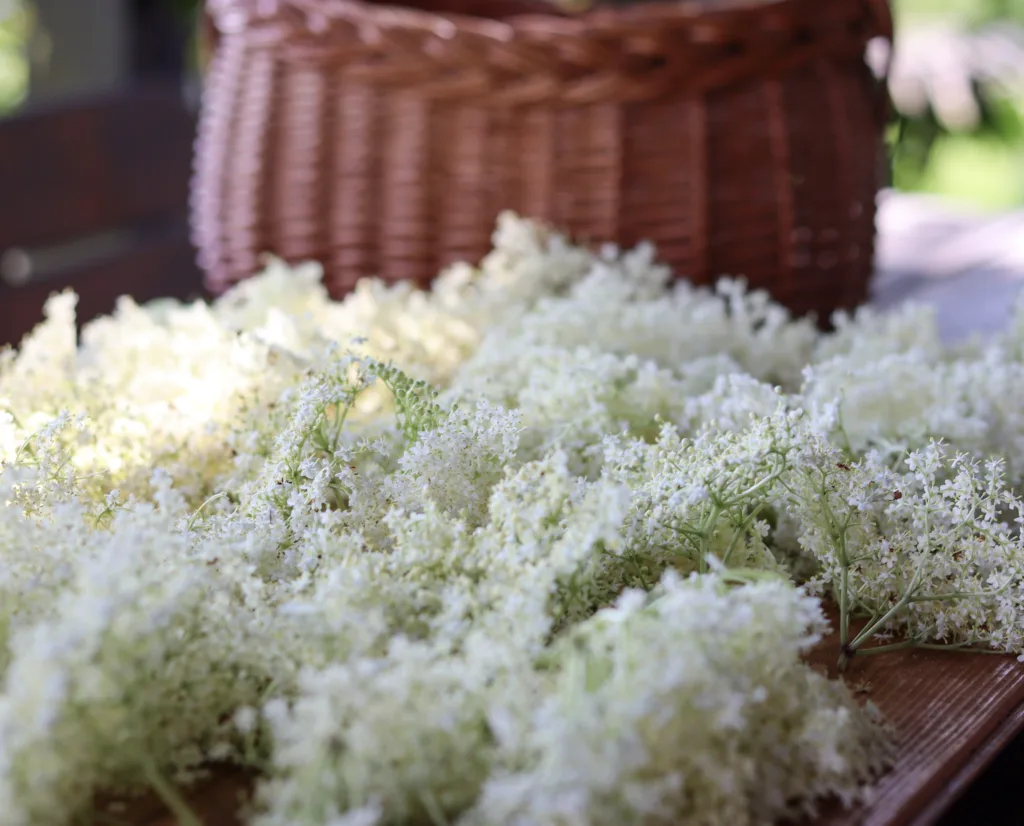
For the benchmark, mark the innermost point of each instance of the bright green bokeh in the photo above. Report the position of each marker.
(985, 169)
(14, 30)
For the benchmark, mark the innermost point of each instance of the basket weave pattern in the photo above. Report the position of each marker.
(742, 138)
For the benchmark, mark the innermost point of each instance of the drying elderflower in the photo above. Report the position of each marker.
(488, 554)
(641, 713)
(931, 554)
(648, 717)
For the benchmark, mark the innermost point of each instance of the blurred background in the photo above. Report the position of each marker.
(957, 80)
(956, 83)
(97, 112)
(97, 109)
(60, 48)
(98, 102)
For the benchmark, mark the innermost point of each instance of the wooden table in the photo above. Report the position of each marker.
(952, 712)
(969, 265)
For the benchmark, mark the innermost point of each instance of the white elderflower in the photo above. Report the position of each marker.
(456, 465)
(125, 675)
(869, 335)
(407, 733)
(895, 402)
(650, 717)
(518, 548)
(700, 502)
(931, 555)
(570, 399)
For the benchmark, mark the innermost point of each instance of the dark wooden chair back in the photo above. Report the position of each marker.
(94, 196)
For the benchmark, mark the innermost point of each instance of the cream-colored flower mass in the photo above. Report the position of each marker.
(543, 545)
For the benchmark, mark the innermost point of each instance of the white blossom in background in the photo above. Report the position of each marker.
(920, 399)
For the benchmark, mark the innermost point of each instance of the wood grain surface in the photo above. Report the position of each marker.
(952, 713)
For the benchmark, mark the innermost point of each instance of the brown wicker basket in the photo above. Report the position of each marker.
(743, 138)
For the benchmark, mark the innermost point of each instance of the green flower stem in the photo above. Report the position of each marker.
(892, 646)
(848, 649)
(757, 486)
(740, 531)
(170, 797)
(869, 631)
(959, 647)
(339, 423)
(704, 543)
(962, 647)
(838, 535)
(195, 516)
(954, 595)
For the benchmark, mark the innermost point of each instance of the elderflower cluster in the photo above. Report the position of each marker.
(930, 551)
(648, 718)
(642, 713)
(544, 544)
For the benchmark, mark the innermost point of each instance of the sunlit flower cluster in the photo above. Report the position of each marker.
(545, 544)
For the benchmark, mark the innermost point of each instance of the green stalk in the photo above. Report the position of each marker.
(705, 538)
(743, 528)
(892, 646)
(170, 797)
(739, 497)
(838, 536)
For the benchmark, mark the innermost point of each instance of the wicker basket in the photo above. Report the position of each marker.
(743, 138)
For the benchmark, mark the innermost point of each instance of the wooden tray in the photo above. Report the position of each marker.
(952, 713)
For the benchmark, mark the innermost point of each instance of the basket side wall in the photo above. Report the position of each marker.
(773, 179)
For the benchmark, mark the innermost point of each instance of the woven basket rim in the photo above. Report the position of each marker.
(729, 15)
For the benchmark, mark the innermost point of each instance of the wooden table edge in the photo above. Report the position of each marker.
(980, 760)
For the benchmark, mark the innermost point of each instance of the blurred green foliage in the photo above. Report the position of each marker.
(15, 25)
(984, 166)
(970, 11)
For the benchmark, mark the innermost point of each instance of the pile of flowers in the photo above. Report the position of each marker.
(545, 544)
